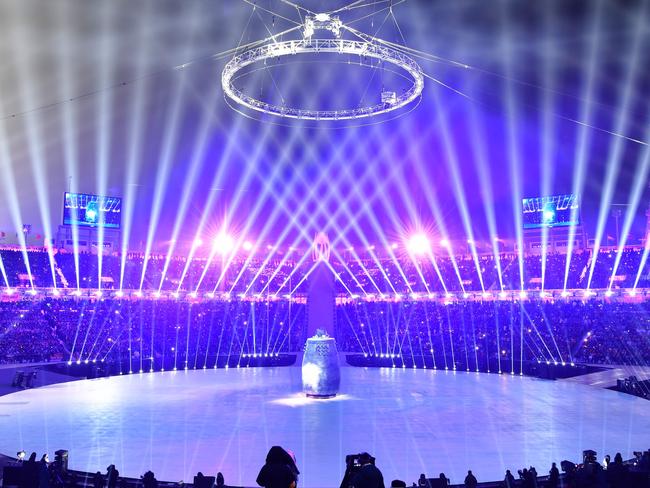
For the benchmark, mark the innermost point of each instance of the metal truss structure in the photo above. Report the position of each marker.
(365, 48)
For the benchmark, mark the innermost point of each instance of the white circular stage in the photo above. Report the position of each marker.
(413, 421)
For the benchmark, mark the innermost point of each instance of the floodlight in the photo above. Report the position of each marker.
(247, 246)
(418, 244)
(223, 243)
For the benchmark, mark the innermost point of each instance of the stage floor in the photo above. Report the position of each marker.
(413, 421)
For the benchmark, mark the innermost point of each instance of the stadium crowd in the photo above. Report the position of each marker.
(285, 273)
(462, 334)
(280, 470)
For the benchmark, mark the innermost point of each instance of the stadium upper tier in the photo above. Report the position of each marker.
(365, 276)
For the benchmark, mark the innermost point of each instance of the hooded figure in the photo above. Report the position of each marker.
(280, 470)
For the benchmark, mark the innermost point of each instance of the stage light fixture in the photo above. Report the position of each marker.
(223, 243)
(418, 244)
(247, 246)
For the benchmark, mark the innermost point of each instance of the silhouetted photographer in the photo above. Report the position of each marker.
(361, 472)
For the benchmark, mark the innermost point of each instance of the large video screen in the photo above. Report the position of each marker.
(87, 210)
(553, 211)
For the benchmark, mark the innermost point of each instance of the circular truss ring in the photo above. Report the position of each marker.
(311, 46)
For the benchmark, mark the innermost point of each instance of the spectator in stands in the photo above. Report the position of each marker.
(98, 480)
(220, 481)
(279, 470)
(369, 476)
(30, 472)
(553, 477)
(43, 472)
(423, 481)
(149, 480)
(509, 480)
(617, 472)
(470, 480)
(112, 474)
(443, 480)
(533, 476)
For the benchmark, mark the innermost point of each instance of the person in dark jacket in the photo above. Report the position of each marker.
(43, 472)
(220, 480)
(29, 475)
(470, 480)
(279, 471)
(149, 480)
(553, 477)
(98, 480)
(509, 481)
(369, 475)
(112, 474)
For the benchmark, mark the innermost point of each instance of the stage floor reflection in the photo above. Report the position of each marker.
(412, 421)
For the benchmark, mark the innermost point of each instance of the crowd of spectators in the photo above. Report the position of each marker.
(280, 470)
(146, 332)
(462, 334)
(356, 275)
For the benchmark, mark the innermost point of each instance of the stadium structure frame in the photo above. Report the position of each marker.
(365, 48)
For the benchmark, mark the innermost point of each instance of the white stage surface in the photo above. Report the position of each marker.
(413, 421)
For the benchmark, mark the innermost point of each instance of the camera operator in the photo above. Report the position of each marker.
(366, 474)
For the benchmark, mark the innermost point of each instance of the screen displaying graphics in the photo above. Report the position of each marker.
(553, 211)
(88, 210)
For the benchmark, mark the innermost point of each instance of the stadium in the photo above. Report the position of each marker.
(355, 243)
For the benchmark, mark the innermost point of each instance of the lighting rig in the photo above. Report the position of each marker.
(365, 47)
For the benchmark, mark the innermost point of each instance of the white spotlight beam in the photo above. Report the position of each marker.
(615, 155)
(35, 148)
(453, 165)
(4, 272)
(514, 159)
(487, 195)
(582, 146)
(548, 131)
(170, 141)
(9, 185)
(233, 144)
(198, 154)
(104, 125)
(69, 123)
(135, 143)
(640, 181)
